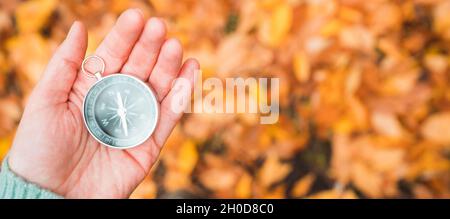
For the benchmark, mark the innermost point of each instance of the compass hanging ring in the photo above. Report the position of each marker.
(95, 74)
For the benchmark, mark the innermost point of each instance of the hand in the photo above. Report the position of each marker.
(53, 148)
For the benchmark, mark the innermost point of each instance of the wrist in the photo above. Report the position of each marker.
(14, 186)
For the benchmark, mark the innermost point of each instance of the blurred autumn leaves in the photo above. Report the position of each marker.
(365, 97)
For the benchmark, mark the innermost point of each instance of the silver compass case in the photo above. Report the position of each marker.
(120, 111)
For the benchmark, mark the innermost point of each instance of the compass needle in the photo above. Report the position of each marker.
(119, 100)
(124, 125)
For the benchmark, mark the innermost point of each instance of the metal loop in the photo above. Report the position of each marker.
(89, 74)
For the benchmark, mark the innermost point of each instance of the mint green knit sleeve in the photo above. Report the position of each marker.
(15, 187)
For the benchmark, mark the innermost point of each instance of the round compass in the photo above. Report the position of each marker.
(120, 111)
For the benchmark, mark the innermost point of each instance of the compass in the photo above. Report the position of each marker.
(119, 110)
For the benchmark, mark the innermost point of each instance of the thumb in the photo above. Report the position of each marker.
(63, 67)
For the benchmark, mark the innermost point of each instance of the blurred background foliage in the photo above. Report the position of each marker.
(365, 96)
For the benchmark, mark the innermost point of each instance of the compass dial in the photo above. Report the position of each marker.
(120, 111)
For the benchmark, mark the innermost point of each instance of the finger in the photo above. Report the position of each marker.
(119, 42)
(166, 68)
(145, 53)
(176, 101)
(62, 69)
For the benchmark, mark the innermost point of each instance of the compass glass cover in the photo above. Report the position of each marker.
(120, 111)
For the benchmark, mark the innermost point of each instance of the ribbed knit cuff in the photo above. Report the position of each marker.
(15, 187)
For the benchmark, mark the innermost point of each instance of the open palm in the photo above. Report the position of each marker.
(53, 148)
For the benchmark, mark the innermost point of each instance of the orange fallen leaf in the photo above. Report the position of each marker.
(273, 170)
(219, 178)
(244, 187)
(274, 28)
(437, 63)
(302, 67)
(302, 186)
(387, 124)
(147, 189)
(368, 181)
(175, 181)
(442, 19)
(5, 144)
(187, 157)
(437, 128)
